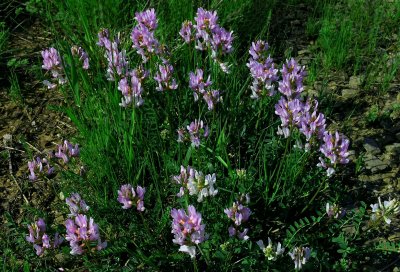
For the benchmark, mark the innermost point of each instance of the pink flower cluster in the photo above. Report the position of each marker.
(262, 69)
(131, 87)
(52, 63)
(117, 62)
(83, 235)
(76, 205)
(128, 197)
(142, 35)
(195, 131)
(65, 152)
(207, 34)
(36, 168)
(40, 240)
(164, 78)
(187, 229)
(239, 214)
(201, 87)
(83, 56)
(304, 115)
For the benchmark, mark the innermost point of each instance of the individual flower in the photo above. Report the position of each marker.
(386, 211)
(334, 211)
(186, 31)
(117, 62)
(188, 229)
(164, 78)
(335, 149)
(37, 167)
(271, 252)
(262, 69)
(38, 237)
(128, 197)
(291, 84)
(200, 87)
(66, 150)
(131, 87)
(239, 214)
(76, 205)
(208, 35)
(290, 113)
(52, 63)
(196, 130)
(300, 255)
(83, 235)
(142, 35)
(83, 56)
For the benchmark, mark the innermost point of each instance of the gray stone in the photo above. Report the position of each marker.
(374, 164)
(349, 93)
(355, 82)
(393, 148)
(371, 146)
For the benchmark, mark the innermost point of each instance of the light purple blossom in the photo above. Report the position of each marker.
(83, 56)
(128, 197)
(66, 150)
(52, 63)
(200, 87)
(197, 130)
(208, 35)
(291, 84)
(186, 31)
(131, 87)
(335, 149)
(82, 235)
(142, 35)
(300, 255)
(334, 211)
(117, 62)
(76, 205)
(36, 168)
(262, 69)
(38, 237)
(164, 78)
(239, 214)
(188, 229)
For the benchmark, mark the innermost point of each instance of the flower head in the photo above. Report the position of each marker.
(385, 211)
(300, 255)
(270, 251)
(128, 197)
(76, 204)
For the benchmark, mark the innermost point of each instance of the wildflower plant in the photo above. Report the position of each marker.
(39, 238)
(134, 108)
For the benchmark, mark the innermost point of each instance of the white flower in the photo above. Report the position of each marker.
(387, 210)
(300, 255)
(191, 250)
(271, 252)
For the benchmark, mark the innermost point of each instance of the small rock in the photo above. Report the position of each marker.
(374, 164)
(371, 146)
(355, 82)
(393, 148)
(349, 93)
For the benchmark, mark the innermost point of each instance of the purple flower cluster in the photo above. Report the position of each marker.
(127, 196)
(117, 62)
(187, 229)
(131, 87)
(195, 131)
(195, 183)
(239, 214)
(334, 148)
(36, 168)
(142, 35)
(201, 87)
(164, 78)
(76, 205)
(304, 115)
(83, 56)
(262, 69)
(52, 62)
(83, 235)
(66, 150)
(207, 34)
(40, 240)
